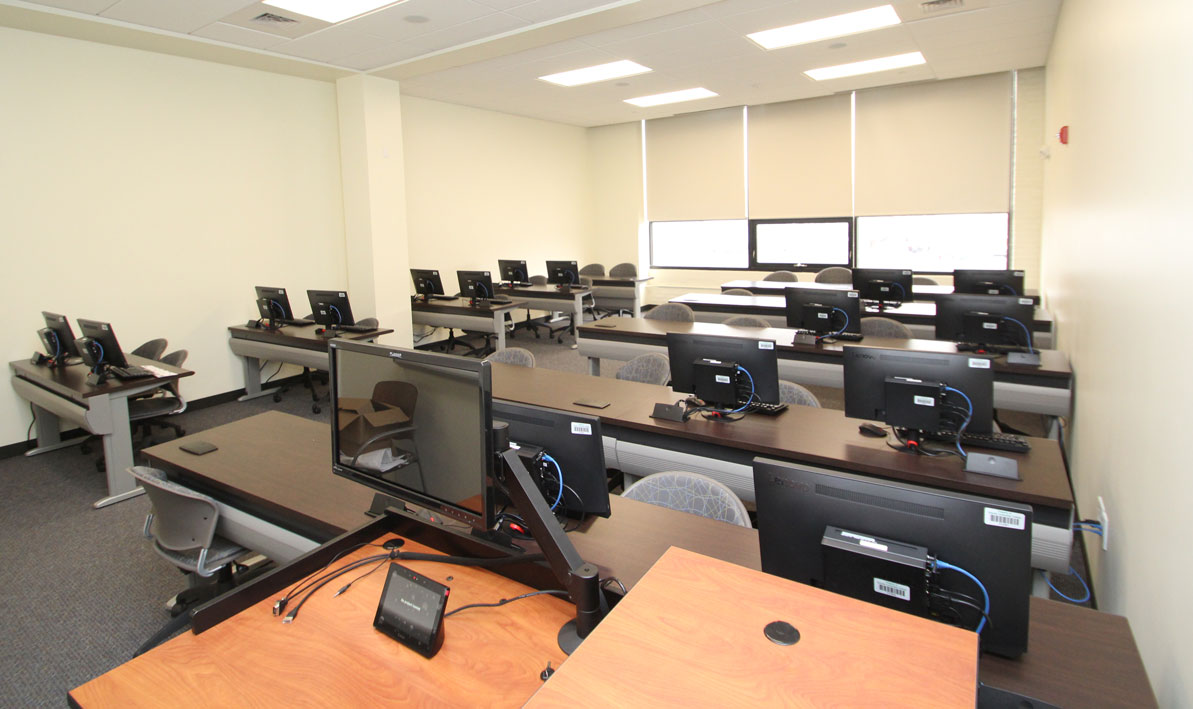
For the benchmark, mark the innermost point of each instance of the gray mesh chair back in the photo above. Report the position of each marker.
(593, 269)
(677, 312)
(649, 368)
(792, 393)
(885, 327)
(152, 349)
(368, 322)
(182, 524)
(692, 493)
(513, 355)
(835, 274)
(923, 281)
(787, 276)
(537, 280)
(746, 321)
(737, 291)
(624, 270)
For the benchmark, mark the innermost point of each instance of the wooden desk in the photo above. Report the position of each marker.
(691, 633)
(279, 465)
(551, 298)
(486, 316)
(291, 344)
(919, 316)
(331, 655)
(1046, 389)
(63, 393)
(924, 292)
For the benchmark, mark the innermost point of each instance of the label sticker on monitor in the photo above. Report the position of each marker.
(871, 544)
(1017, 273)
(978, 363)
(892, 589)
(1025, 301)
(281, 291)
(907, 273)
(822, 316)
(343, 295)
(851, 294)
(766, 345)
(924, 401)
(723, 379)
(1003, 518)
(990, 326)
(581, 429)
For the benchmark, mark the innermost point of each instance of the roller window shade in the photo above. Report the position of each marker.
(694, 166)
(800, 159)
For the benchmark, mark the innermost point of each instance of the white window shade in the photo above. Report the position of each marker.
(718, 243)
(933, 242)
(936, 148)
(800, 158)
(695, 166)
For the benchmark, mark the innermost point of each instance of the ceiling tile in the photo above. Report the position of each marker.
(439, 15)
(435, 41)
(546, 10)
(332, 44)
(87, 7)
(231, 34)
(174, 15)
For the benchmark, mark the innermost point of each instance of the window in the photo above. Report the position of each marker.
(715, 243)
(933, 243)
(791, 244)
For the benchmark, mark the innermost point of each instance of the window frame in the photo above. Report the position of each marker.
(756, 265)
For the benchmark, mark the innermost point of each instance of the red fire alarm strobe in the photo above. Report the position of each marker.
(1063, 135)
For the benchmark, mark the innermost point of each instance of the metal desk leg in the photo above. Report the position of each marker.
(252, 379)
(594, 366)
(48, 436)
(639, 295)
(118, 451)
(577, 313)
(499, 329)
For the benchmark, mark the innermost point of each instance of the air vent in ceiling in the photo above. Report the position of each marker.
(280, 24)
(933, 7)
(272, 18)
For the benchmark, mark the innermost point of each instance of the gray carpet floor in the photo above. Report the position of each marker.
(81, 589)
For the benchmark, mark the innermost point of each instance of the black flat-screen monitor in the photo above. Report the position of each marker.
(564, 273)
(475, 285)
(513, 271)
(104, 347)
(426, 281)
(575, 455)
(757, 357)
(57, 338)
(883, 285)
(274, 304)
(931, 392)
(988, 282)
(824, 312)
(330, 307)
(416, 426)
(998, 320)
(867, 538)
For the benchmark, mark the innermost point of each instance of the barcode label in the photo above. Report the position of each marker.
(766, 345)
(892, 589)
(581, 429)
(978, 363)
(281, 291)
(924, 401)
(851, 294)
(822, 316)
(722, 379)
(1003, 518)
(990, 325)
(1025, 301)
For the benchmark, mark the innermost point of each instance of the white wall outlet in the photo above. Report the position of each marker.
(1105, 522)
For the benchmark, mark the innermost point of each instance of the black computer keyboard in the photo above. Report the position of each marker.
(989, 349)
(995, 441)
(356, 328)
(768, 409)
(130, 372)
(296, 323)
(500, 301)
(439, 296)
(848, 336)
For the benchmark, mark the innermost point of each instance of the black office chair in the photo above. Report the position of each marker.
(152, 349)
(157, 409)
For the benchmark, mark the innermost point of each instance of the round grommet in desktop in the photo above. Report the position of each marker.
(781, 632)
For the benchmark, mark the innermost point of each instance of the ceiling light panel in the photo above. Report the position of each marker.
(827, 28)
(331, 10)
(593, 74)
(868, 66)
(670, 97)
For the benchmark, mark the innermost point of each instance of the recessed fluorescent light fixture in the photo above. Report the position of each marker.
(330, 10)
(869, 66)
(670, 97)
(826, 28)
(593, 74)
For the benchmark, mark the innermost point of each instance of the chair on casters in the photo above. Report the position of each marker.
(513, 355)
(792, 393)
(692, 493)
(923, 281)
(737, 291)
(608, 305)
(593, 269)
(649, 368)
(556, 332)
(745, 321)
(676, 312)
(145, 413)
(876, 326)
(152, 349)
(786, 276)
(835, 274)
(182, 524)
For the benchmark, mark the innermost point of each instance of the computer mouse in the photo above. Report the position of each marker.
(872, 429)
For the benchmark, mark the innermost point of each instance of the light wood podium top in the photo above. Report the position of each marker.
(690, 633)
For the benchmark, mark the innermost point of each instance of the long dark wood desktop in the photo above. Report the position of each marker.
(279, 465)
(484, 316)
(292, 344)
(62, 393)
(552, 298)
(924, 292)
(1045, 389)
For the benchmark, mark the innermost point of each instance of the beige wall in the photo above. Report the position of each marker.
(1116, 208)
(481, 186)
(154, 192)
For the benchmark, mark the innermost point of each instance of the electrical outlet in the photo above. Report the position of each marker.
(1105, 522)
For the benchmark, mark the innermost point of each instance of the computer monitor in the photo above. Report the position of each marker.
(889, 542)
(980, 321)
(415, 426)
(885, 286)
(988, 282)
(723, 371)
(824, 312)
(564, 273)
(475, 285)
(330, 308)
(572, 451)
(919, 392)
(100, 341)
(57, 338)
(426, 282)
(513, 271)
(274, 305)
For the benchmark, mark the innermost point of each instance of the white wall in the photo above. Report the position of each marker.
(154, 192)
(1116, 213)
(481, 186)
